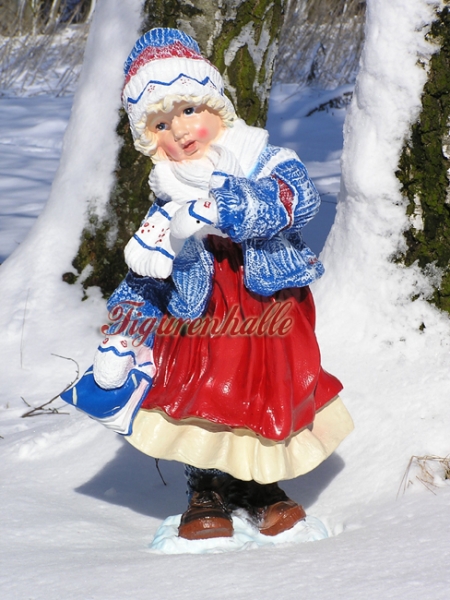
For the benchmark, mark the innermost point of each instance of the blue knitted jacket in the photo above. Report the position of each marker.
(253, 212)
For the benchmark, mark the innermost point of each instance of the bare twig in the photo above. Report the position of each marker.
(42, 410)
(426, 477)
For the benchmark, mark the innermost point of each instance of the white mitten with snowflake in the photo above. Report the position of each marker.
(197, 217)
(116, 356)
(152, 249)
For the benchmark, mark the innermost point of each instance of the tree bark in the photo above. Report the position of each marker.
(424, 172)
(240, 37)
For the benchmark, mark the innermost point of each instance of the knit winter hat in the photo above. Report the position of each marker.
(168, 63)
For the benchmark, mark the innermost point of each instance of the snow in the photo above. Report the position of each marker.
(245, 537)
(30, 148)
(80, 507)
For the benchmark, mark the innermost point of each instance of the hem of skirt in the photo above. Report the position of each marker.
(240, 452)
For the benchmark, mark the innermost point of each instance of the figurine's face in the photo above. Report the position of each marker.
(186, 132)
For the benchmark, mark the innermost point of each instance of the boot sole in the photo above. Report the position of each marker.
(287, 520)
(201, 530)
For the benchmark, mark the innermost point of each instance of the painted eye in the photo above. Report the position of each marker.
(161, 126)
(189, 111)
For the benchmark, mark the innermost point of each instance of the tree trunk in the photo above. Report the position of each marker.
(240, 37)
(424, 172)
(20, 17)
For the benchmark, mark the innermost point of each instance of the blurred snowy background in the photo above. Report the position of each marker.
(41, 53)
(79, 505)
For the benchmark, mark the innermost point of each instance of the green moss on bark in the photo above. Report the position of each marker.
(242, 73)
(166, 13)
(423, 170)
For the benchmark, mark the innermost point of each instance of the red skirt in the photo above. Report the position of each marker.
(251, 362)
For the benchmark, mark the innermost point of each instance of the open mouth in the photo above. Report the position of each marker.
(189, 146)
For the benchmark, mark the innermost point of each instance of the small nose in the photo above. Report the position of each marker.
(179, 129)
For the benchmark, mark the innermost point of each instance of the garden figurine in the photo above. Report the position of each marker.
(210, 356)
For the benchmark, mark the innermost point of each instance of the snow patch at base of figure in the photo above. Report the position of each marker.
(245, 537)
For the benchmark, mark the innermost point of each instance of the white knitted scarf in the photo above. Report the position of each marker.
(188, 180)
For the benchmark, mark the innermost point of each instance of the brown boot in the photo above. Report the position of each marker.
(206, 517)
(268, 506)
(279, 517)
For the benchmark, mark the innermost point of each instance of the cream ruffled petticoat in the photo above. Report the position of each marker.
(240, 452)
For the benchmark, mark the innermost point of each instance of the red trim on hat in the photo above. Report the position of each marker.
(176, 50)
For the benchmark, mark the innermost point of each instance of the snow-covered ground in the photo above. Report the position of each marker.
(30, 148)
(80, 506)
(31, 142)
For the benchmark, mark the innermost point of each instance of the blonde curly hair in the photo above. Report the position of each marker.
(145, 140)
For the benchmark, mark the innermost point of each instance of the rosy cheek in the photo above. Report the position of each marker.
(172, 150)
(203, 132)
